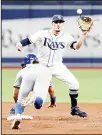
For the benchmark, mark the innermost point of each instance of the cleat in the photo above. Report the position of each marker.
(12, 111)
(76, 111)
(16, 122)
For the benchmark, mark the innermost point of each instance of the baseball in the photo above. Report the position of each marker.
(79, 11)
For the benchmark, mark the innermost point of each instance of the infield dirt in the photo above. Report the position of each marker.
(55, 120)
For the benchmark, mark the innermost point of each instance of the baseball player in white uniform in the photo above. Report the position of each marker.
(34, 77)
(52, 44)
(17, 83)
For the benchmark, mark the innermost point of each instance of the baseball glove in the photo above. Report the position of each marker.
(85, 23)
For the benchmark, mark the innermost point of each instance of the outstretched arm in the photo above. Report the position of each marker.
(85, 24)
(27, 41)
(15, 96)
(22, 43)
(79, 42)
(52, 97)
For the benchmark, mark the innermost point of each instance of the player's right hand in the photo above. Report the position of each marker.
(19, 46)
(51, 106)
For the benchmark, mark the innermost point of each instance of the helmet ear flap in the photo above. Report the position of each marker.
(23, 65)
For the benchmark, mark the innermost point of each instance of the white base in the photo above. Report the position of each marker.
(24, 117)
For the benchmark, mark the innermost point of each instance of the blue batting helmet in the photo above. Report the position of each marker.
(30, 58)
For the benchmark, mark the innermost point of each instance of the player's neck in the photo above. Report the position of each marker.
(56, 33)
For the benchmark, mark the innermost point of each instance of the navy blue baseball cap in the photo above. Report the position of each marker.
(57, 18)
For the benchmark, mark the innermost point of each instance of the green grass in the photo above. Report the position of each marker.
(90, 86)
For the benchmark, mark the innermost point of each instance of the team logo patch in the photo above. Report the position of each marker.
(59, 17)
(53, 45)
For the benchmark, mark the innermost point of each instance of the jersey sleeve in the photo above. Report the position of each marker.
(70, 41)
(18, 80)
(35, 37)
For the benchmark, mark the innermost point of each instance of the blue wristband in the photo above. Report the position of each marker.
(53, 100)
(25, 42)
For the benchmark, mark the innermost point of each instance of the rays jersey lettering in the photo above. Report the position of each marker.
(53, 45)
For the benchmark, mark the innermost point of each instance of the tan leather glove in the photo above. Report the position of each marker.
(85, 23)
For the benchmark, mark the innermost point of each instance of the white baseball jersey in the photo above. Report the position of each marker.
(51, 48)
(34, 77)
(50, 52)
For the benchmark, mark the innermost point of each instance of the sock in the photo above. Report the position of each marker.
(53, 100)
(18, 108)
(73, 99)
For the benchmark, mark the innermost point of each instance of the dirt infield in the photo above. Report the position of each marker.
(56, 120)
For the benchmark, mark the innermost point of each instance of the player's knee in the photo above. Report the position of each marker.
(38, 102)
(75, 85)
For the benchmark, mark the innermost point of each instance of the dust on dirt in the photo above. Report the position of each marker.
(55, 120)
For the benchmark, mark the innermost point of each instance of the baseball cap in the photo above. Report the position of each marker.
(57, 18)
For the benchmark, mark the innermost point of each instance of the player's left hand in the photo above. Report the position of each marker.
(85, 23)
(51, 106)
